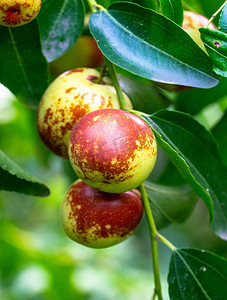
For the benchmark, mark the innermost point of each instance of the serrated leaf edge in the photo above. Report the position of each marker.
(210, 207)
(157, 49)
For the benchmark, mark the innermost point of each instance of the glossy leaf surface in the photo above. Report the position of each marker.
(173, 10)
(197, 275)
(151, 46)
(14, 178)
(193, 151)
(223, 20)
(23, 68)
(170, 204)
(216, 45)
(61, 23)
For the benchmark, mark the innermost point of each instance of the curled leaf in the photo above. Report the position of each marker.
(216, 45)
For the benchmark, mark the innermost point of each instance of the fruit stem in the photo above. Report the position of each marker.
(166, 242)
(215, 14)
(94, 6)
(113, 76)
(154, 238)
(102, 74)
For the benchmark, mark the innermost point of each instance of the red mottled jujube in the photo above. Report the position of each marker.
(112, 150)
(97, 219)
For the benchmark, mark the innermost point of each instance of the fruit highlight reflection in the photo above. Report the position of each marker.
(112, 150)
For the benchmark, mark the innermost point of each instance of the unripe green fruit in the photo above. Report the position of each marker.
(112, 150)
(15, 13)
(69, 97)
(97, 219)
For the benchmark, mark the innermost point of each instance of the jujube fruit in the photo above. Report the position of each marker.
(68, 98)
(15, 13)
(97, 219)
(192, 22)
(112, 150)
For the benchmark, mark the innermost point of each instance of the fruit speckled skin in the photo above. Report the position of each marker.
(97, 219)
(18, 12)
(193, 21)
(112, 150)
(68, 98)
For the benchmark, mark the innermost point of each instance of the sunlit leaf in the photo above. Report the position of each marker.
(61, 23)
(150, 45)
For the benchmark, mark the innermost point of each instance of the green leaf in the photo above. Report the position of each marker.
(141, 93)
(222, 26)
(188, 101)
(197, 275)
(61, 23)
(151, 46)
(216, 45)
(175, 178)
(208, 8)
(23, 68)
(220, 134)
(193, 151)
(170, 204)
(146, 3)
(14, 178)
(173, 10)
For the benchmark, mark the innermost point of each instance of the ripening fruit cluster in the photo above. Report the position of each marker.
(111, 150)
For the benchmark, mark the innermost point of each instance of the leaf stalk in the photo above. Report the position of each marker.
(215, 14)
(166, 242)
(93, 5)
(113, 76)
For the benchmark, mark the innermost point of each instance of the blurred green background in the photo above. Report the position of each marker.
(38, 261)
